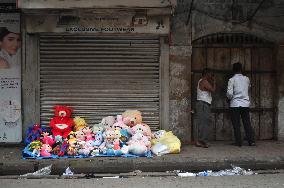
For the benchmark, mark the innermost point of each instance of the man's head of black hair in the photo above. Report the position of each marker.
(237, 68)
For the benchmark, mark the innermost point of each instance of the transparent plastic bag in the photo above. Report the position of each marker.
(160, 149)
(42, 172)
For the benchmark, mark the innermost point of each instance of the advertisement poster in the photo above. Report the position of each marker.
(10, 78)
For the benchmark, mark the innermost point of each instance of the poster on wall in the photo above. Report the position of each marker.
(10, 78)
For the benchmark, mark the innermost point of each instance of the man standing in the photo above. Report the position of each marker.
(238, 94)
(206, 85)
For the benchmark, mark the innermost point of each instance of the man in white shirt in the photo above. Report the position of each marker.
(237, 93)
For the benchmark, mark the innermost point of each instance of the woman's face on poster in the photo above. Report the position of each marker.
(11, 43)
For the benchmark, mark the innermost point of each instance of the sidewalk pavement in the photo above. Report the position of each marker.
(220, 155)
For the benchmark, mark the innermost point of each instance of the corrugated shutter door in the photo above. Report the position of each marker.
(100, 76)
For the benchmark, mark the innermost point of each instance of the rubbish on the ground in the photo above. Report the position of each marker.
(42, 172)
(186, 174)
(235, 171)
(68, 172)
(111, 177)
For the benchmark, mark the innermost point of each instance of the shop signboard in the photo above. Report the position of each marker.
(10, 78)
(128, 22)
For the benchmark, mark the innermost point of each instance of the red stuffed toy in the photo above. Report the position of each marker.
(62, 123)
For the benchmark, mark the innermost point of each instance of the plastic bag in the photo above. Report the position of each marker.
(160, 149)
(168, 143)
(42, 172)
(171, 141)
(68, 172)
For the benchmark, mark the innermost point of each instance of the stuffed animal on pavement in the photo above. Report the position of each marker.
(119, 124)
(48, 139)
(108, 136)
(132, 117)
(80, 135)
(141, 128)
(62, 123)
(108, 121)
(89, 133)
(122, 127)
(34, 133)
(79, 123)
(98, 139)
(100, 127)
(139, 144)
(45, 150)
(35, 147)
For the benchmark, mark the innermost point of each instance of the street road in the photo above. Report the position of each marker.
(261, 180)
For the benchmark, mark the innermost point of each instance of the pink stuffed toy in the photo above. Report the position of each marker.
(62, 123)
(89, 134)
(48, 139)
(120, 124)
(141, 128)
(45, 150)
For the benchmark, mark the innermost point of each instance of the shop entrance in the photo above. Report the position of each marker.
(100, 76)
(219, 52)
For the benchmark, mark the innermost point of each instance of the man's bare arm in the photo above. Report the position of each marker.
(206, 86)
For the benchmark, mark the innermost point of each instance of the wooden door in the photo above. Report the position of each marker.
(257, 58)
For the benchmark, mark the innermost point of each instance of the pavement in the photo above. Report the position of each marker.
(220, 155)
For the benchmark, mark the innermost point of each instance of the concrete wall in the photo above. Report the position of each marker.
(209, 17)
(280, 68)
(180, 64)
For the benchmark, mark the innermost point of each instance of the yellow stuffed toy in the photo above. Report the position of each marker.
(80, 123)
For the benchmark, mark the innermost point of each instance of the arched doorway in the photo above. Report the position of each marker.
(219, 51)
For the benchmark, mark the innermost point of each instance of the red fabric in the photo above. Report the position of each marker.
(66, 120)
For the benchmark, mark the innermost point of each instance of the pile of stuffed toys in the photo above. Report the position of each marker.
(125, 134)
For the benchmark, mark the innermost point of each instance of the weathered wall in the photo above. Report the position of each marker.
(180, 59)
(280, 68)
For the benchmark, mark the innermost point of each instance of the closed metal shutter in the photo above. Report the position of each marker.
(100, 76)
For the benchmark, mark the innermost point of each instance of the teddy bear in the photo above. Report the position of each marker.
(62, 123)
(108, 121)
(79, 123)
(132, 117)
(142, 128)
(85, 148)
(139, 144)
(98, 128)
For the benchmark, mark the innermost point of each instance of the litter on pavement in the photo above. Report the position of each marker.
(235, 171)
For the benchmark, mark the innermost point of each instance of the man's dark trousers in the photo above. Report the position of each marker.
(237, 113)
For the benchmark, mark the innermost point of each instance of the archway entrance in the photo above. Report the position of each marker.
(219, 52)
